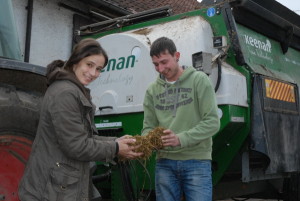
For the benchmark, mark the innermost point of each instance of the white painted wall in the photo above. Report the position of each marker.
(51, 30)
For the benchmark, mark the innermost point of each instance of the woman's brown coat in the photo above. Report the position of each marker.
(58, 167)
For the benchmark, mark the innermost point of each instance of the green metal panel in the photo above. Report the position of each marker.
(228, 141)
(265, 56)
(142, 173)
(232, 134)
(131, 123)
(141, 178)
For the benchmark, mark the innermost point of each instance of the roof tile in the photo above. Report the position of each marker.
(178, 6)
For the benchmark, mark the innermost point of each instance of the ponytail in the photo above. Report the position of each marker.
(53, 66)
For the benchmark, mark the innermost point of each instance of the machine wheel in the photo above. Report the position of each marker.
(291, 188)
(19, 114)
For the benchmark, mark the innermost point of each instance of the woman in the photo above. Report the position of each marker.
(59, 163)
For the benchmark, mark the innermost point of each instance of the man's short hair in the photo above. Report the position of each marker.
(162, 44)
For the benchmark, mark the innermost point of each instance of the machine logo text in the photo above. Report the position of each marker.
(120, 63)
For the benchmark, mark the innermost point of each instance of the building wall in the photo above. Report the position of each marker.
(52, 25)
(51, 34)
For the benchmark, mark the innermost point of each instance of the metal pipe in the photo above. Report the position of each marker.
(28, 30)
(165, 11)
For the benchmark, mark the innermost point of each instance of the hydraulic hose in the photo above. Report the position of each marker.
(219, 74)
(126, 182)
(102, 177)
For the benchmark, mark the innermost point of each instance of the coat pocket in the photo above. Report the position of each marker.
(63, 184)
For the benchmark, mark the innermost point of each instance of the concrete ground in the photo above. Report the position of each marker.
(243, 199)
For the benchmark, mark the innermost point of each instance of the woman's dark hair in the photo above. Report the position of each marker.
(86, 47)
(162, 44)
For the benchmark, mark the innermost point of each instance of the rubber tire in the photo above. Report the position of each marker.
(19, 116)
(291, 188)
(19, 111)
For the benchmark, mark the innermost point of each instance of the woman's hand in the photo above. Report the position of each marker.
(123, 137)
(126, 149)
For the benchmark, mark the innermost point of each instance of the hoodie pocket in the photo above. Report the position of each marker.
(63, 184)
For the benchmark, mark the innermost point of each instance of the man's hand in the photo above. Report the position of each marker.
(170, 139)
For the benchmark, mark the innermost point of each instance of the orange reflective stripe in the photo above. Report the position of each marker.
(279, 90)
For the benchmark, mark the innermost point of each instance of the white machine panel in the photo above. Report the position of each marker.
(122, 85)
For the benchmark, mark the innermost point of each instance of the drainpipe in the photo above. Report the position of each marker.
(28, 30)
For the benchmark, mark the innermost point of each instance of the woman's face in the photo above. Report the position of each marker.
(89, 68)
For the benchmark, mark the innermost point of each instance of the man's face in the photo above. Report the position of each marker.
(167, 65)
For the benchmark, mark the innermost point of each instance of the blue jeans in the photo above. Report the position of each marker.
(190, 178)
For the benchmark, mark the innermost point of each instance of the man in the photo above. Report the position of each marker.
(181, 100)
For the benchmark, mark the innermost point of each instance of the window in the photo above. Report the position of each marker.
(9, 42)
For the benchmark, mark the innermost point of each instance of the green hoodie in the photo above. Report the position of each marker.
(188, 108)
